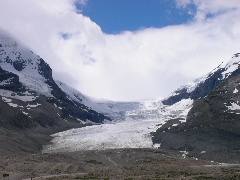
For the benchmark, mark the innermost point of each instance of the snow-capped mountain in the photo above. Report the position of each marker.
(212, 125)
(140, 120)
(27, 86)
(201, 87)
(114, 110)
(32, 71)
(121, 111)
(32, 98)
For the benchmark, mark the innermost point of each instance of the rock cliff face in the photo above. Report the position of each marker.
(9, 81)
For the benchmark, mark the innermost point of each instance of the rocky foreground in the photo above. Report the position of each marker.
(23, 163)
(122, 164)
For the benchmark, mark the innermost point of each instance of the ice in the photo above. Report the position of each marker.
(185, 153)
(128, 134)
(26, 97)
(182, 121)
(29, 74)
(230, 66)
(156, 145)
(132, 125)
(12, 95)
(24, 113)
(6, 100)
(33, 105)
(36, 83)
(132, 132)
(12, 104)
(114, 109)
(234, 106)
(180, 108)
(235, 91)
(229, 70)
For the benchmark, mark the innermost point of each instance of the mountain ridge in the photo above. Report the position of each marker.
(201, 87)
(26, 77)
(211, 130)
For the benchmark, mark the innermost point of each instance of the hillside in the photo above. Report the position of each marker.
(212, 125)
(202, 86)
(32, 105)
(27, 86)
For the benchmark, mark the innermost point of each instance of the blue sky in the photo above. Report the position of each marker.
(115, 16)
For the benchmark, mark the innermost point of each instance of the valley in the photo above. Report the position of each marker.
(49, 130)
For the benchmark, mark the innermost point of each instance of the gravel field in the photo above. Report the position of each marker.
(118, 164)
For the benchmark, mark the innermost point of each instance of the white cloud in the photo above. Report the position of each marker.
(212, 7)
(131, 65)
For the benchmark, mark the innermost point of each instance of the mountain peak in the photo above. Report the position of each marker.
(28, 88)
(201, 87)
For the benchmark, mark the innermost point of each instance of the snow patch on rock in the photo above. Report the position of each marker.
(234, 106)
(26, 97)
(235, 91)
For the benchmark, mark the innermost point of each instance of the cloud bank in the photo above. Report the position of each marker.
(128, 66)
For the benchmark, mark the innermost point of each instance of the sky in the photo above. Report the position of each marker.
(114, 16)
(126, 50)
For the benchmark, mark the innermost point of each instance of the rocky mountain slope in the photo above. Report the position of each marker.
(201, 87)
(212, 125)
(29, 95)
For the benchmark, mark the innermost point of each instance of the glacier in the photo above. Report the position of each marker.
(133, 132)
(133, 122)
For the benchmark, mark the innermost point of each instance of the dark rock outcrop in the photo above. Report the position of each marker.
(12, 81)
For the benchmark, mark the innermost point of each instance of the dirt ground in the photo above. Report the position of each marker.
(21, 158)
(118, 164)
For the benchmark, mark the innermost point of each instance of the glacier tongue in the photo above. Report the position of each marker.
(133, 132)
(126, 134)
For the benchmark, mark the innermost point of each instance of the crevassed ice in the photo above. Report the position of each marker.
(130, 133)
